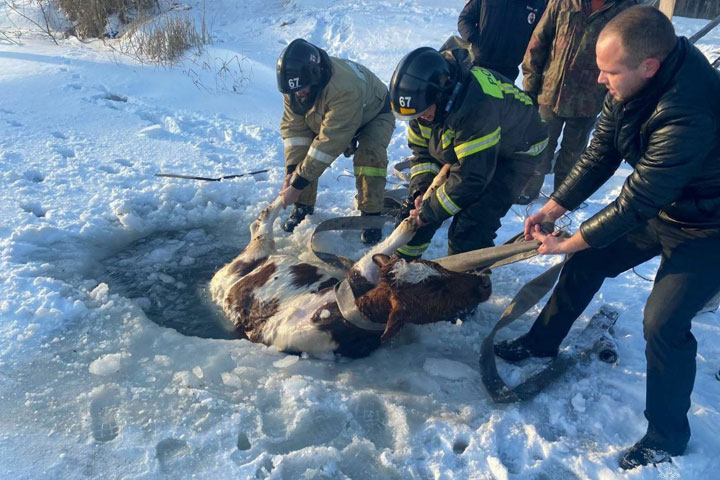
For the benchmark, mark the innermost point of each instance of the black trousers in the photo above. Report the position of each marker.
(686, 280)
(474, 226)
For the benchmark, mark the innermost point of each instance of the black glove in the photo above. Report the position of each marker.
(352, 148)
(404, 212)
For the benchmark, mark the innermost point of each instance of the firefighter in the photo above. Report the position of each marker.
(477, 121)
(332, 105)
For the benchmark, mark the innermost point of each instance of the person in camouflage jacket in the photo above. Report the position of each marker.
(560, 74)
(347, 110)
(486, 129)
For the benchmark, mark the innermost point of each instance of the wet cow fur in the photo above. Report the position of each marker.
(278, 300)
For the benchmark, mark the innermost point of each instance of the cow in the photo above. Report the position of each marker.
(281, 301)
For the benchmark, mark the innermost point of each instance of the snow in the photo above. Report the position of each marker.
(95, 252)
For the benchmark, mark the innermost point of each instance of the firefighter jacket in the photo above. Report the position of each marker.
(489, 121)
(559, 66)
(352, 97)
(499, 30)
(670, 134)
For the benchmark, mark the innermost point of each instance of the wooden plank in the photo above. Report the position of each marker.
(667, 7)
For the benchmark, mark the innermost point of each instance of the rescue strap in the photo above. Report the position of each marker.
(349, 311)
(589, 343)
(402, 169)
(491, 257)
(528, 296)
(344, 223)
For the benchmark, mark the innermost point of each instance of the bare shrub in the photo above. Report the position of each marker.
(91, 16)
(162, 40)
(220, 74)
(39, 15)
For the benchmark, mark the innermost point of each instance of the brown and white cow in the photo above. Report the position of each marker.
(278, 300)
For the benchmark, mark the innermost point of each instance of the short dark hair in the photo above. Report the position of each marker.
(644, 32)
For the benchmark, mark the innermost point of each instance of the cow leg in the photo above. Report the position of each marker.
(399, 237)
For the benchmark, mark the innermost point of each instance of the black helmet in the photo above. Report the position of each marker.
(422, 78)
(299, 66)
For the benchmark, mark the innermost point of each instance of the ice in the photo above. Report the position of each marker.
(107, 364)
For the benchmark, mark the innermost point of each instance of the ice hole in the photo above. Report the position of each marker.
(167, 274)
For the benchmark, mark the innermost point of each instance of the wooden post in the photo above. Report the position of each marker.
(667, 7)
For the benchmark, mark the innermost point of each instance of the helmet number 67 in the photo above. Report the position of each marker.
(404, 101)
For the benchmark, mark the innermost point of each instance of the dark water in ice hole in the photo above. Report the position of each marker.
(168, 275)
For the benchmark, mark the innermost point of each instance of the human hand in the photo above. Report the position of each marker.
(415, 215)
(550, 212)
(290, 195)
(286, 181)
(552, 243)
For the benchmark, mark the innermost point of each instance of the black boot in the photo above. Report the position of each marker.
(643, 453)
(297, 215)
(532, 190)
(521, 348)
(370, 236)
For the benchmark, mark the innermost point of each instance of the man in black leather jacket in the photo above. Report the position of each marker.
(662, 116)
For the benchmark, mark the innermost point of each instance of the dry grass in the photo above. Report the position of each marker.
(162, 40)
(91, 16)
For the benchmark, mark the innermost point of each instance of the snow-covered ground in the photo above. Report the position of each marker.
(96, 252)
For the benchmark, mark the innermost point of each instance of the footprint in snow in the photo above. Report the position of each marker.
(64, 151)
(104, 416)
(170, 452)
(371, 415)
(123, 162)
(34, 208)
(32, 175)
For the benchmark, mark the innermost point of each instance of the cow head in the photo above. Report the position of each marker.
(421, 292)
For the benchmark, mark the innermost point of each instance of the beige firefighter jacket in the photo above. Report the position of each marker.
(352, 97)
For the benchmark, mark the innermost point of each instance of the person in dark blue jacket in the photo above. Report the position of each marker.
(499, 31)
(662, 116)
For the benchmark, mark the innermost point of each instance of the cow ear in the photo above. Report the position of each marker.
(396, 320)
(380, 259)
